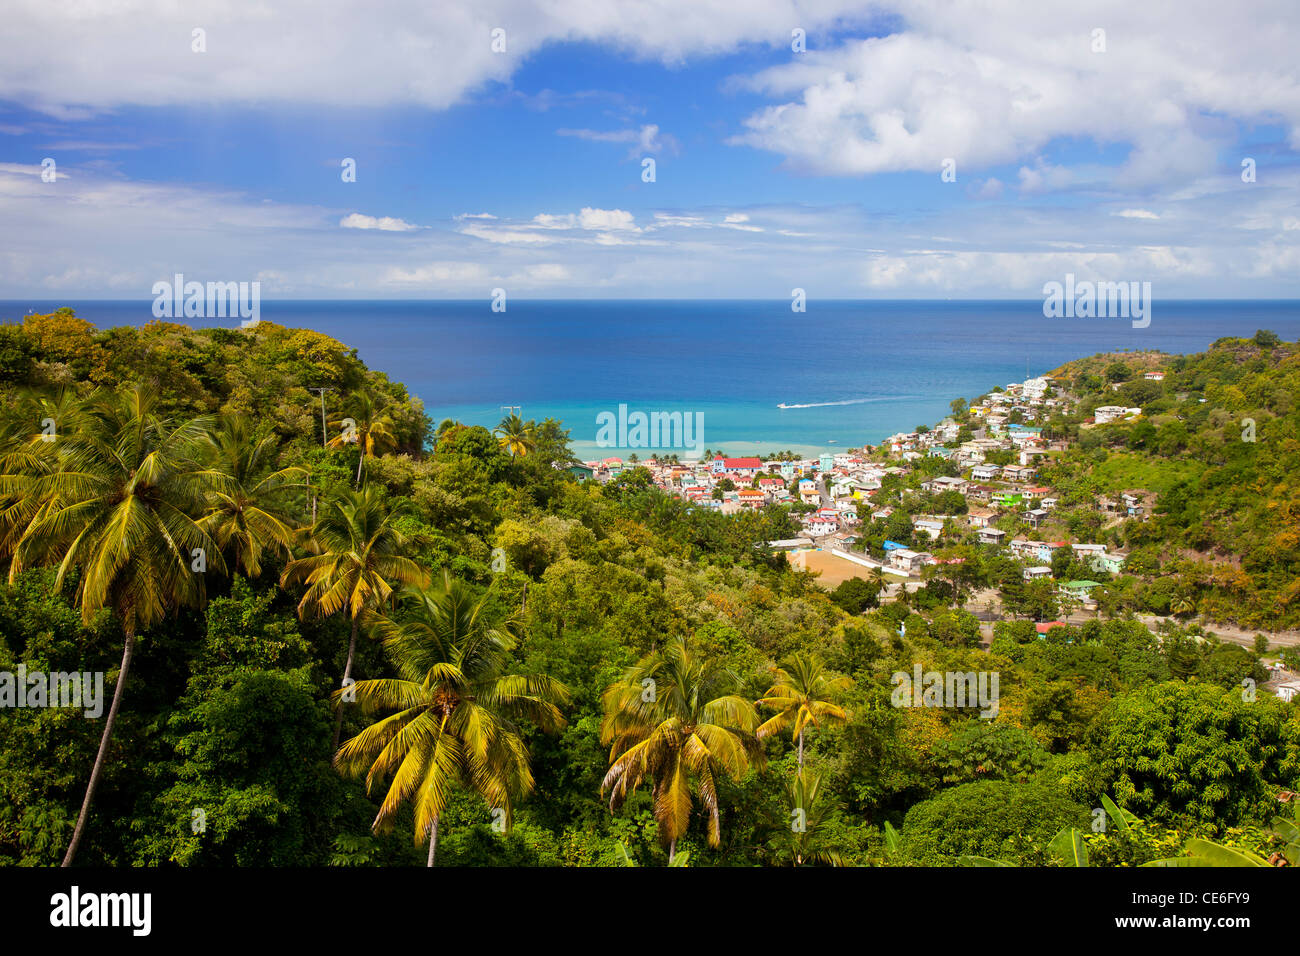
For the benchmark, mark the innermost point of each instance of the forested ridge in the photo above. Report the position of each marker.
(551, 672)
(1219, 442)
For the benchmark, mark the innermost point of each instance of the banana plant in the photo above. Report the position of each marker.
(1289, 832)
(891, 842)
(1200, 853)
(1120, 818)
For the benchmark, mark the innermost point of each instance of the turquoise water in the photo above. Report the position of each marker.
(850, 371)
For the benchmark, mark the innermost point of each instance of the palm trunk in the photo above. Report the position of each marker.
(360, 461)
(801, 753)
(672, 850)
(128, 648)
(433, 840)
(347, 673)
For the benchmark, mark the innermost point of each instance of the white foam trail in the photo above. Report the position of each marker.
(851, 401)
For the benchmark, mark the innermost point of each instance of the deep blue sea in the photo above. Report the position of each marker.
(855, 370)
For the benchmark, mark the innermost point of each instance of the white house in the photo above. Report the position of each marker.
(1088, 551)
(819, 526)
(931, 527)
(943, 483)
(1111, 413)
(905, 560)
(1287, 690)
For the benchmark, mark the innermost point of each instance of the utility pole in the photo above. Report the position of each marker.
(324, 433)
(324, 439)
(513, 409)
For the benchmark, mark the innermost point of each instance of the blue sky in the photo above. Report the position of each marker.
(775, 169)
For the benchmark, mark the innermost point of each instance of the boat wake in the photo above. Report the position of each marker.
(851, 401)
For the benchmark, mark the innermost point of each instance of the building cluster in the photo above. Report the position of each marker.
(839, 489)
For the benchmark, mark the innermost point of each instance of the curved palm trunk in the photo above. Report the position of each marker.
(347, 672)
(128, 648)
(433, 840)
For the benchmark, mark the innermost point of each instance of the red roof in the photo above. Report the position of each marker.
(1045, 627)
(740, 462)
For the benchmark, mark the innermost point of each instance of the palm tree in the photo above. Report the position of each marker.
(447, 428)
(356, 565)
(803, 837)
(674, 717)
(28, 450)
(456, 706)
(803, 694)
(248, 518)
(371, 428)
(121, 501)
(515, 435)
(878, 576)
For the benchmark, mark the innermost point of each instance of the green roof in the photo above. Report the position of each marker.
(1082, 584)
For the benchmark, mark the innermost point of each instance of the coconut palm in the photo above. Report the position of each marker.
(249, 518)
(800, 836)
(457, 709)
(447, 428)
(121, 500)
(803, 694)
(367, 424)
(356, 567)
(28, 449)
(675, 720)
(516, 436)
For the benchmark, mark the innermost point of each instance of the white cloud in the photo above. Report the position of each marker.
(1136, 214)
(118, 52)
(383, 223)
(544, 272)
(606, 219)
(506, 236)
(588, 218)
(93, 234)
(990, 84)
(437, 274)
(646, 139)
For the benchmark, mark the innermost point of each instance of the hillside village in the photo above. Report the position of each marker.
(982, 471)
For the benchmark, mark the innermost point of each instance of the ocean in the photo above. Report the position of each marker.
(846, 372)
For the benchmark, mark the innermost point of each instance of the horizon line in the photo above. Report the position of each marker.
(781, 299)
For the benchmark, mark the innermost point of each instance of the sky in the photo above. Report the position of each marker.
(849, 149)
